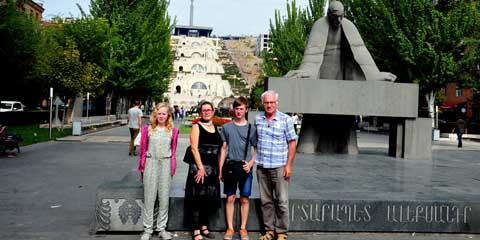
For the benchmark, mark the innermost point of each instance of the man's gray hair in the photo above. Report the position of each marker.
(269, 92)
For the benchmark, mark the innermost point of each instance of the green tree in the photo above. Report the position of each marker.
(91, 36)
(19, 37)
(141, 59)
(73, 55)
(288, 35)
(418, 41)
(74, 77)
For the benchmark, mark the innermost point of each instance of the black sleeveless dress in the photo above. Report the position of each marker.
(206, 195)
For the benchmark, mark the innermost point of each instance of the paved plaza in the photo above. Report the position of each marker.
(48, 190)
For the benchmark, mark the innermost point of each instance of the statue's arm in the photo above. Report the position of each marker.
(313, 55)
(386, 76)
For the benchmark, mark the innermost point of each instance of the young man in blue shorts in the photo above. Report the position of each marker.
(236, 161)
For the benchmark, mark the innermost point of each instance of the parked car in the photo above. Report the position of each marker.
(12, 106)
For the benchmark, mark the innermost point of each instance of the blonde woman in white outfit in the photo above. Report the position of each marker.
(157, 164)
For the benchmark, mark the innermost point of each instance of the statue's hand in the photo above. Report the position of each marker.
(386, 76)
(297, 74)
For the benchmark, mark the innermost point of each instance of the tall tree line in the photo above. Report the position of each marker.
(121, 50)
(288, 35)
(418, 40)
(140, 57)
(421, 41)
(19, 37)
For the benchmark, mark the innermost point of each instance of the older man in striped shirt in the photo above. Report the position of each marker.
(276, 149)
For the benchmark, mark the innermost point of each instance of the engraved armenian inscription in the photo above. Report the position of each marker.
(391, 214)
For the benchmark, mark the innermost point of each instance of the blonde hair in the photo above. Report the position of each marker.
(153, 117)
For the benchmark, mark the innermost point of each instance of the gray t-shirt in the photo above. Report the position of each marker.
(133, 114)
(236, 138)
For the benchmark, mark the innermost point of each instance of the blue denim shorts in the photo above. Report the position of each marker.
(244, 186)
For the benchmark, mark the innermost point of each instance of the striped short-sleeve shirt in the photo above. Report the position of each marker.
(273, 138)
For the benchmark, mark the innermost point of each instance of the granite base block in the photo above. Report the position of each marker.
(119, 208)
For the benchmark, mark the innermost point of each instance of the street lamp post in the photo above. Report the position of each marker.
(88, 100)
(51, 109)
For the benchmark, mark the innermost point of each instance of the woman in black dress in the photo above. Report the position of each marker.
(202, 191)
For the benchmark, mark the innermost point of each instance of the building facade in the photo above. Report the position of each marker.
(263, 44)
(197, 72)
(30, 7)
(459, 101)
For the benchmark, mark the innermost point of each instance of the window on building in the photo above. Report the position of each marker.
(180, 68)
(198, 68)
(458, 92)
(199, 85)
(196, 55)
(178, 89)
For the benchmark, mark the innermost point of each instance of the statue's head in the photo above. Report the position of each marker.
(335, 13)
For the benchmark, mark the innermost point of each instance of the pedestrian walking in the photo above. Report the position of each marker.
(460, 128)
(134, 122)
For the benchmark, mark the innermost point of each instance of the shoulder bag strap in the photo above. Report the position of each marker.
(247, 142)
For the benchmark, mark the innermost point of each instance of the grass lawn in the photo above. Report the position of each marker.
(34, 134)
(185, 129)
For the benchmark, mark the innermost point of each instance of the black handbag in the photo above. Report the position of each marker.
(232, 170)
(188, 158)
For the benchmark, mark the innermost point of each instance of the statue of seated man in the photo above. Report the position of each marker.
(335, 51)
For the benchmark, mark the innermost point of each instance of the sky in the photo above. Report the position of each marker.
(226, 17)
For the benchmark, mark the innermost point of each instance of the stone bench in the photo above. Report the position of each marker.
(410, 136)
(80, 128)
(95, 119)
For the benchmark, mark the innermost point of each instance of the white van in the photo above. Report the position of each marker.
(11, 106)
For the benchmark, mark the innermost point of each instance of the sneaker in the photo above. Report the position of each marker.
(146, 236)
(228, 234)
(165, 235)
(243, 234)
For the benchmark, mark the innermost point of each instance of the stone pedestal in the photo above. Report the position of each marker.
(410, 138)
(329, 107)
(328, 134)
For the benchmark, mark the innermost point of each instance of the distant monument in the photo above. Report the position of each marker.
(191, 13)
(335, 51)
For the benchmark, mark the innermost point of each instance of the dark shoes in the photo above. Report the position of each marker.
(269, 235)
(207, 233)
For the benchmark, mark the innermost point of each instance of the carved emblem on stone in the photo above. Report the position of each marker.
(129, 209)
(103, 214)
